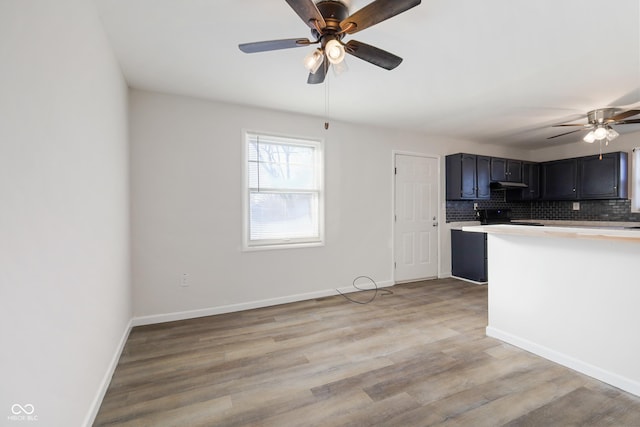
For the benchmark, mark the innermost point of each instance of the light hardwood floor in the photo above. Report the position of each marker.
(418, 357)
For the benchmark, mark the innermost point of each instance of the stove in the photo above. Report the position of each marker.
(500, 216)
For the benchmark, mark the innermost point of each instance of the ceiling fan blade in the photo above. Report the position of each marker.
(375, 12)
(626, 122)
(273, 45)
(624, 115)
(372, 54)
(566, 133)
(319, 76)
(587, 126)
(308, 12)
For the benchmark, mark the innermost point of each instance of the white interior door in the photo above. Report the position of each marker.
(416, 217)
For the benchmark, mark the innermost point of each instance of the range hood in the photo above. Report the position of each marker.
(506, 185)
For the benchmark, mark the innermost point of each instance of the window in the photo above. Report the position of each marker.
(635, 180)
(283, 191)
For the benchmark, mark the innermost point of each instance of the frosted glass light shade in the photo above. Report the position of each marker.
(313, 61)
(340, 67)
(335, 51)
(600, 133)
(590, 137)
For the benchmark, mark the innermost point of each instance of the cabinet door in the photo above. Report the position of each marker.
(469, 181)
(600, 178)
(559, 179)
(514, 171)
(498, 169)
(533, 180)
(483, 166)
(506, 170)
(531, 177)
(462, 182)
(469, 255)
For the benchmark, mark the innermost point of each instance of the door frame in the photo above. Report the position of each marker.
(439, 214)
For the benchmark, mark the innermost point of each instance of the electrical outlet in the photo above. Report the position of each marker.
(184, 280)
(475, 206)
(576, 206)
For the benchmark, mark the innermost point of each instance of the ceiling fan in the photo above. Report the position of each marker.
(599, 124)
(330, 21)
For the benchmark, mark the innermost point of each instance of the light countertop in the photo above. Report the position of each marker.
(599, 231)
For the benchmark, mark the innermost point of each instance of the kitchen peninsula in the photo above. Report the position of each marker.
(569, 294)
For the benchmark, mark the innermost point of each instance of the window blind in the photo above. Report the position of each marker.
(283, 190)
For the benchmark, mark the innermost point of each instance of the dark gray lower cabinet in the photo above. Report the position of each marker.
(469, 255)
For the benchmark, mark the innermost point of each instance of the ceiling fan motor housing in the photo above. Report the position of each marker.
(601, 116)
(333, 13)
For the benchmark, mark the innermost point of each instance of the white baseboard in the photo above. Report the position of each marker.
(168, 317)
(469, 280)
(106, 380)
(210, 311)
(614, 379)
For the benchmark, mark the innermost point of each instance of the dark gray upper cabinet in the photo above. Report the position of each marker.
(604, 178)
(586, 178)
(467, 177)
(581, 178)
(506, 170)
(559, 179)
(514, 171)
(530, 177)
(483, 163)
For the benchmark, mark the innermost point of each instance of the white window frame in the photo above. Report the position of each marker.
(300, 242)
(635, 180)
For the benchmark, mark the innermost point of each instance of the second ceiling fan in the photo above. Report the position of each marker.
(330, 21)
(599, 124)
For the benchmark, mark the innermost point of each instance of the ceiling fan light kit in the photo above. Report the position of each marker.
(601, 133)
(329, 21)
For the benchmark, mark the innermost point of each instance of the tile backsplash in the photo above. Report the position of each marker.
(590, 210)
(462, 210)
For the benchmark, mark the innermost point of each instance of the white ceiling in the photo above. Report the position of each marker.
(493, 71)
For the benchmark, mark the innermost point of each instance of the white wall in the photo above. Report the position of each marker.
(578, 310)
(64, 248)
(187, 198)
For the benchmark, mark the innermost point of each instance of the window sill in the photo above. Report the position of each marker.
(276, 246)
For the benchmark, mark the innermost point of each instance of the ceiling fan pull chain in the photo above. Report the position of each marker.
(600, 158)
(326, 103)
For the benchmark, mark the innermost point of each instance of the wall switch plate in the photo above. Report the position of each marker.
(576, 206)
(184, 280)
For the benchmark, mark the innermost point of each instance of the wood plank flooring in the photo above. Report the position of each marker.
(418, 357)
